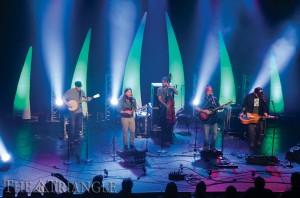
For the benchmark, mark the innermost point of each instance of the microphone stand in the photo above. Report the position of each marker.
(114, 155)
(275, 126)
(68, 162)
(87, 160)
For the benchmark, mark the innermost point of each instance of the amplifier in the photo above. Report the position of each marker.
(262, 160)
(133, 157)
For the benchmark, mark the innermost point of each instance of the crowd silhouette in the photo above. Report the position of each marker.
(171, 191)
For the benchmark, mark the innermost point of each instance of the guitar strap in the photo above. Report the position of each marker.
(79, 99)
(204, 105)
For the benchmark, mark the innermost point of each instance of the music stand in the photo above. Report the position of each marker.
(87, 160)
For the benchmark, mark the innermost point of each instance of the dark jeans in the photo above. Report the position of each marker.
(166, 127)
(210, 132)
(256, 133)
(76, 125)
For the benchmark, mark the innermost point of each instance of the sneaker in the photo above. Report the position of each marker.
(66, 135)
(81, 133)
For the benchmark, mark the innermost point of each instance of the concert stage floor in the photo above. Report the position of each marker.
(38, 150)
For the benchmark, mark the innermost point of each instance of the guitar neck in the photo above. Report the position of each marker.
(216, 109)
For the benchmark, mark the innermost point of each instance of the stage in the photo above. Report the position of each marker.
(39, 149)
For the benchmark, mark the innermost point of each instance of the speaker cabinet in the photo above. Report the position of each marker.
(154, 100)
(233, 123)
(155, 125)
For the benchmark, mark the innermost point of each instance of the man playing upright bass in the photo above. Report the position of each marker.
(165, 95)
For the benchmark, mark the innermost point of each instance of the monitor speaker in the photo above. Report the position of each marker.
(154, 100)
(155, 111)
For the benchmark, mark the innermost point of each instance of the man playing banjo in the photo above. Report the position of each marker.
(73, 99)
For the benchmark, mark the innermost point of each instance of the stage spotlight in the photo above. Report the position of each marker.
(58, 102)
(5, 161)
(5, 157)
(114, 101)
(195, 102)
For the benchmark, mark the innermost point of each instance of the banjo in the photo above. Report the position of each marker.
(75, 105)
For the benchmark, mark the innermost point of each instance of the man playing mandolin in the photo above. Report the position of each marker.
(209, 118)
(78, 95)
(255, 103)
(127, 108)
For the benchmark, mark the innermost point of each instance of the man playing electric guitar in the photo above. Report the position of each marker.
(78, 95)
(255, 102)
(209, 124)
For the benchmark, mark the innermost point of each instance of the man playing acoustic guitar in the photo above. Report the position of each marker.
(209, 118)
(255, 103)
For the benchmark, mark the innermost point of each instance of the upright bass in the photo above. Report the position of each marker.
(170, 113)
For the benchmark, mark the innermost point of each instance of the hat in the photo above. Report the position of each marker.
(127, 89)
(258, 90)
(78, 84)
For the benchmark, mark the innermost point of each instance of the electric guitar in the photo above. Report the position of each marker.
(204, 117)
(75, 105)
(254, 118)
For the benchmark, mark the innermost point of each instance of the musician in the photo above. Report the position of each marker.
(255, 102)
(210, 126)
(79, 96)
(127, 108)
(164, 93)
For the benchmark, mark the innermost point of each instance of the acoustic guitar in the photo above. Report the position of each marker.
(75, 104)
(254, 118)
(204, 117)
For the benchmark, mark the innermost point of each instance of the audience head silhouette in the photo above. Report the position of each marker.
(259, 182)
(295, 180)
(9, 192)
(171, 190)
